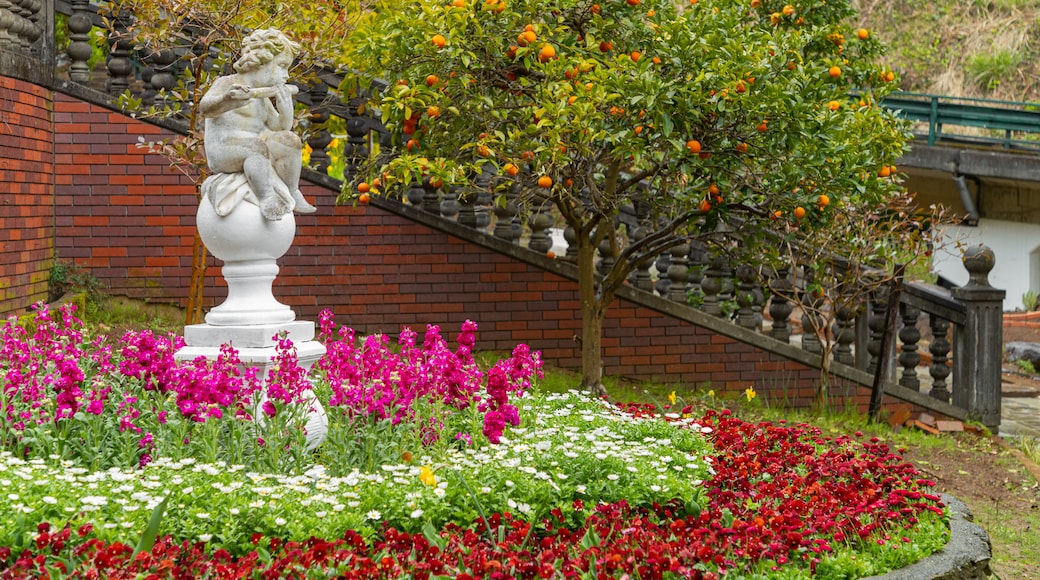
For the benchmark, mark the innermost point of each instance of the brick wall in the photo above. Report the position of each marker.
(26, 194)
(122, 213)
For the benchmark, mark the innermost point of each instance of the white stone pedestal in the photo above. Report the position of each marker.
(256, 349)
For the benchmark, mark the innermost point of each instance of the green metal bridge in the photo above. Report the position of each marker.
(963, 121)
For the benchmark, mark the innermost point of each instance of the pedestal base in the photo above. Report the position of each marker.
(256, 349)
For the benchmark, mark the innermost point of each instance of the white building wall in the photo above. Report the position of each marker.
(1017, 249)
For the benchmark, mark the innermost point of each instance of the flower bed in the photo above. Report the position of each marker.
(125, 465)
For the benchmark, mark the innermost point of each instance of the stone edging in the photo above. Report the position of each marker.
(965, 557)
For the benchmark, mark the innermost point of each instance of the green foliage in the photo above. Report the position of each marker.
(988, 69)
(1030, 300)
(697, 113)
(1026, 365)
(66, 277)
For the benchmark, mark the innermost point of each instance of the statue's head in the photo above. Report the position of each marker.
(261, 47)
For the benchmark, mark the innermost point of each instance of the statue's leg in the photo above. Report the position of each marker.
(285, 147)
(259, 174)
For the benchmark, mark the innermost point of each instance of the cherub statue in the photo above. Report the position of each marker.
(250, 145)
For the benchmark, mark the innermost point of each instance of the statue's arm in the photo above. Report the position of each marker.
(281, 118)
(223, 96)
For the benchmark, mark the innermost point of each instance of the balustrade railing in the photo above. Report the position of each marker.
(962, 357)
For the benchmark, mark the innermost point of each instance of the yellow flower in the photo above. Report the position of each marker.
(750, 393)
(671, 398)
(711, 393)
(426, 476)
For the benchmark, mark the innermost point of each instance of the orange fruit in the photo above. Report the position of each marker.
(656, 60)
(433, 111)
(571, 99)
(545, 182)
(570, 73)
(550, 254)
(823, 201)
(884, 171)
(432, 80)
(595, 9)
(740, 88)
(638, 129)
(863, 34)
(890, 76)
(762, 127)
(799, 212)
(483, 151)
(605, 46)
(705, 206)
(529, 28)
(364, 187)
(412, 144)
(693, 146)
(436, 182)
(458, 3)
(742, 147)
(526, 37)
(788, 10)
(635, 56)
(756, 3)
(511, 169)
(834, 71)
(439, 41)
(633, 2)
(527, 155)
(408, 128)
(713, 190)
(834, 105)
(364, 198)
(547, 52)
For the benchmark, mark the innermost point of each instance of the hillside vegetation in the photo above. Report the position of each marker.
(970, 48)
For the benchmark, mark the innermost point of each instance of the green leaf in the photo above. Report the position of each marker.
(590, 539)
(152, 531)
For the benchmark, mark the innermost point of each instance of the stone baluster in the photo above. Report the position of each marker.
(8, 39)
(483, 204)
(664, 259)
(415, 194)
(908, 355)
(726, 275)
(606, 256)
(451, 208)
(678, 273)
(844, 333)
(977, 347)
(878, 307)
(711, 284)
(79, 50)
(812, 319)
(640, 276)
(780, 306)
(34, 16)
(940, 350)
(539, 223)
(504, 214)
(571, 237)
(163, 79)
(319, 138)
(470, 213)
(355, 150)
(120, 44)
(698, 261)
(431, 199)
(745, 296)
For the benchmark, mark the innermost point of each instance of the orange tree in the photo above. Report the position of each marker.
(701, 112)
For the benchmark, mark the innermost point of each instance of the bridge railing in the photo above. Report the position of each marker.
(963, 367)
(1007, 124)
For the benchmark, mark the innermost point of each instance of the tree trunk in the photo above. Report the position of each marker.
(193, 312)
(592, 313)
(820, 401)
